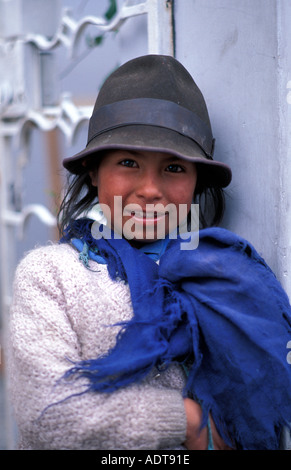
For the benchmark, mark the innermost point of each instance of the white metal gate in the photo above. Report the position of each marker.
(30, 32)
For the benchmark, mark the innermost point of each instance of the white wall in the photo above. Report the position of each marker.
(238, 52)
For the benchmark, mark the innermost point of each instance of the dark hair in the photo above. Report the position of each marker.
(81, 196)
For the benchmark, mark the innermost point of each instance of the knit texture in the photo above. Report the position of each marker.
(49, 327)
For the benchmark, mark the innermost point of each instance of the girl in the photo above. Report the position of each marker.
(121, 336)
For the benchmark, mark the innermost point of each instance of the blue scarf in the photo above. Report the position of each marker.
(219, 308)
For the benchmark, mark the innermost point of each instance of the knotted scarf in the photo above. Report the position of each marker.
(218, 308)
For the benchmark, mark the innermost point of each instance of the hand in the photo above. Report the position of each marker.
(197, 438)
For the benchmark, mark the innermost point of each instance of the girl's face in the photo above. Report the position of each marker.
(144, 195)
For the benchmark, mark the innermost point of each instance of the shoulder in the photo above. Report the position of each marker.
(48, 258)
(55, 263)
(56, 268)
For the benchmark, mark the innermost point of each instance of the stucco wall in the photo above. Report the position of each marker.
(237, 51)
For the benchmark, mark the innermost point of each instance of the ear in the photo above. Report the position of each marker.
(94, 176)
(92, 173)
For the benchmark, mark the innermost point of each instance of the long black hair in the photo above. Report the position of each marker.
(80, 196)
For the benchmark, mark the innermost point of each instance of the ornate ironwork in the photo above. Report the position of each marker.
(28, 101)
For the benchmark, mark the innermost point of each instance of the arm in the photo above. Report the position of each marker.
(139, 417)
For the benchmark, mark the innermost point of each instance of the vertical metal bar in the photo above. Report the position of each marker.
(160, 27)
(7, 250)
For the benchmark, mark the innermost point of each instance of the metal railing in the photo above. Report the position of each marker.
(28, 40)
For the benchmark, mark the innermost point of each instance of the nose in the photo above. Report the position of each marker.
(149, 187)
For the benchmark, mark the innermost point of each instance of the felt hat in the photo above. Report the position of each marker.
(151, 103)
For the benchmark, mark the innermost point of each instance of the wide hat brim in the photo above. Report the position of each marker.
(151, 103)
(144, 138)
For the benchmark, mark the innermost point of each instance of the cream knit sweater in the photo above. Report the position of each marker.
(60, 311)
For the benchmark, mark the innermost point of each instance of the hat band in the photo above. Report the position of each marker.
(152, 112)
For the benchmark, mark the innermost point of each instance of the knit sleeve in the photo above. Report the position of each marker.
(54, 415)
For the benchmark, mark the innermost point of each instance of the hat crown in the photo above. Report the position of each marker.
(157, 77)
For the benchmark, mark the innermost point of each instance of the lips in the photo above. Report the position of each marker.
(146, 216)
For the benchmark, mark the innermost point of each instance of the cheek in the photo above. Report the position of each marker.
(112, 194)
(104, 185)
(105, 196)
(183, 194)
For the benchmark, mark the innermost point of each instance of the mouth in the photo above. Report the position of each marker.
(146, 217)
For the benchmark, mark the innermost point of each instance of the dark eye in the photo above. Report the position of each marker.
(128, 162)
(174, 168)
